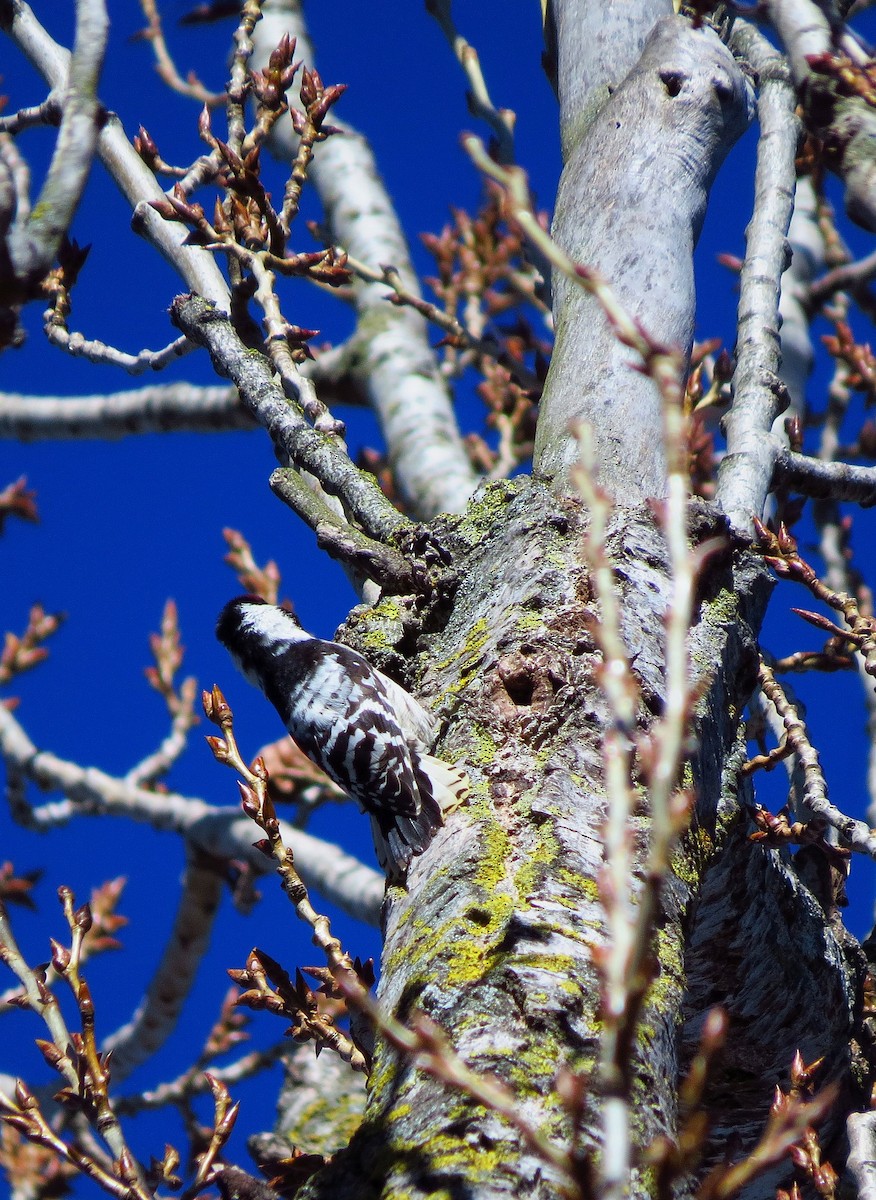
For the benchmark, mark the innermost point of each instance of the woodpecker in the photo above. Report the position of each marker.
(365, 731)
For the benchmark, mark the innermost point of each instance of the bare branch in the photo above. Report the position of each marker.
(293, 437)
(395, 363)
(845, 121)
(162, 408)
(47, 113)
(34, 242)
(855, 833)
(76, 1059)
(78, 346)
(486, 347)
(220, 833)
(746, 472)
(500, 120)
(191, 1083)
(259, 807)
(806, 242)
(364, 556)
(99, 939)
(158, 1012)
(825, 480)
(861, 1130)
(851, 276)
(166, 67)
(133, 178)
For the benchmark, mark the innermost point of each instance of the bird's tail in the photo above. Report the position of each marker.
(398, 837)
(448, 784)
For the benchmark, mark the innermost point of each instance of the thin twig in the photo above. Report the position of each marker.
(855, 833)
(166, 67)
(193, 1082)
(78, 346)
(500, 120)
(258, 805)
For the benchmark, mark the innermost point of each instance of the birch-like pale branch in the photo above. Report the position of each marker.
(394, 361)
(845, 123)
(157, 408)
(807, 260)
(161, 408)
(130, 174)
(220, 833)
(746, 472)
(297, 442)
(630, 206)
(861, 1130)
(158, 1012)
(825, 480)
(33, 242)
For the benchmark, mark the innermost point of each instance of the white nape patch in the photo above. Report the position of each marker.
(272, 624)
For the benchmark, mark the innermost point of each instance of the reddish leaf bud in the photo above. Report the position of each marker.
(60, 956)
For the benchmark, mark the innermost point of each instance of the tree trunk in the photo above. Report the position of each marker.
(494, 936)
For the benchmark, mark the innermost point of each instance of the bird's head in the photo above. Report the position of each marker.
(254, 632)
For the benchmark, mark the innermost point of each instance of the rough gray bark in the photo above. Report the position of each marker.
(630, 204)
(494, 936)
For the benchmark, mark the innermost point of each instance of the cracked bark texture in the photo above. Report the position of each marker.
(493, 936)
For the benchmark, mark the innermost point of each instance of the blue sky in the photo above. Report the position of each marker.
(126, 525)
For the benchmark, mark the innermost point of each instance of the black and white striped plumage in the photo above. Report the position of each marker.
(367, 733)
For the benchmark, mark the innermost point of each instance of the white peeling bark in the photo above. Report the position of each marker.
(631, 203)
(394, 360)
